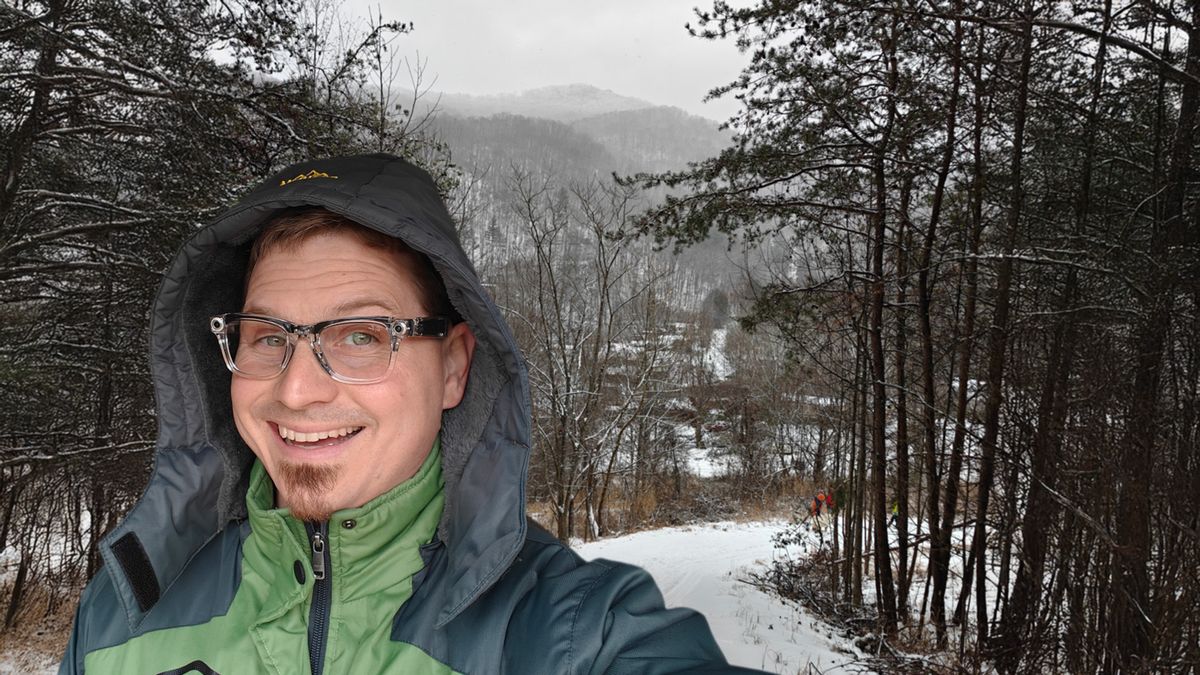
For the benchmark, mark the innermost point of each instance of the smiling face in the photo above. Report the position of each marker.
(329, 445)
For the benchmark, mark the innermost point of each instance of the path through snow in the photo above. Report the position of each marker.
(700, 566)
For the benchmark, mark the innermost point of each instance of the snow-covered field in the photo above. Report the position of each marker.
(701, 567)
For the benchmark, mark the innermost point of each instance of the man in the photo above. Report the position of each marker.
(340, 476)
(818, 507)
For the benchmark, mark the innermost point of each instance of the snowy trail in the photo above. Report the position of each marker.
(700, 567)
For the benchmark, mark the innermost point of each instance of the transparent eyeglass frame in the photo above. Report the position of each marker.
(435, 327)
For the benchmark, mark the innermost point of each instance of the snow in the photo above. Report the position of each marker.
(10, 557)
(20, 661)
(702, 567)
(701, 463)
(715, 359)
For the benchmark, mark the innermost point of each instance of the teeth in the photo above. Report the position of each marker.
(301, 437)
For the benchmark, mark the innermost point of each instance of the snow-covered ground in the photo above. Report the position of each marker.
(19, 661)
(701, 567)
(715, 359)
(702, 463)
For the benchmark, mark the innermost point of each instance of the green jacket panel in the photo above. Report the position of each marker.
(265, 629)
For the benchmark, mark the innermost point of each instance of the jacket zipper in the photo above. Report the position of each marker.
(318, 615)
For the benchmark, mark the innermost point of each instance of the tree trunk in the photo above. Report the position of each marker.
(998, 332)
(882, 557)
(1130, 634)
(860, 488)
(18, 590)
(940, 547)
(938, 557)
(21, 141)
(1040, 509)
(903, 241)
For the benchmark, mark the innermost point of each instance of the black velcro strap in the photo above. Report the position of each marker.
(136, 564)
(193, 667)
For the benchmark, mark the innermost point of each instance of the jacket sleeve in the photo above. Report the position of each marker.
(622, 627)
(97, 618)
(72, 661)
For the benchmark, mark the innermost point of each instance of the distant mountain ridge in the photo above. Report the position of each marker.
(579, 129)
(494, 143)
(563, 103)
(629, 141)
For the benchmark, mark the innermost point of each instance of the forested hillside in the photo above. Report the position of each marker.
(654, 139)
(494, 153)
(616, 331)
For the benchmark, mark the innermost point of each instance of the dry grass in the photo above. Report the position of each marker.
(700, 500)
(36, 643)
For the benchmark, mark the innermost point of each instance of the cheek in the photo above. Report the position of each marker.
(242, 394)
(239, 397)
(410, 398)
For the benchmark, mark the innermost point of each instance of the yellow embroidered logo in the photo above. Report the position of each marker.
(307, 176)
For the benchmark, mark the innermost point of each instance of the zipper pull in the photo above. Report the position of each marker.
(318, 556)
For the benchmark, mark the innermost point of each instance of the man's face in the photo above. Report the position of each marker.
(377, 434)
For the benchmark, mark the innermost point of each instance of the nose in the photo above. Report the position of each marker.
(304, 382)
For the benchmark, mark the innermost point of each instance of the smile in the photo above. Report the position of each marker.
(315, 436)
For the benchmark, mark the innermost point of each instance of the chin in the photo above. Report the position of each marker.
(307, 488)
(311, 513)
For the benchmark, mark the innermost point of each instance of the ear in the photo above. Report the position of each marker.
(457, 349)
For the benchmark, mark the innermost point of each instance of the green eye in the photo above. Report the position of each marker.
(273, 341)
(360, 339)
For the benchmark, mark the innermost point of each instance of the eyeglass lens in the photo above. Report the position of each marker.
(358, 350)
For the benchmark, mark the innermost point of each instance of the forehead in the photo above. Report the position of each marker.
(328, 272)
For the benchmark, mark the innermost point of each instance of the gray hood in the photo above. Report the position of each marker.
(201, 464)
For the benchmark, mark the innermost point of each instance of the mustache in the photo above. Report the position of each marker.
(279, 413)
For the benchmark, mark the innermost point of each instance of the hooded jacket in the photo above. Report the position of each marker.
(442, 574)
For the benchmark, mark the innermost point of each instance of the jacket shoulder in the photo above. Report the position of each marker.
(538, 540)
(601, 616)
(205, 589)
(554, 612)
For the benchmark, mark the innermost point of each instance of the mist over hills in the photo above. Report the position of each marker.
(661, 138)
(564, 103)
(482, 144)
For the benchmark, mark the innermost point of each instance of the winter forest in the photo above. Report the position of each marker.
(942, 265)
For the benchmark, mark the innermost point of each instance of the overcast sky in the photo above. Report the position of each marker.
(633, 47)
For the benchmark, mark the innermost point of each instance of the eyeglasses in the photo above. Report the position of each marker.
(354, 350)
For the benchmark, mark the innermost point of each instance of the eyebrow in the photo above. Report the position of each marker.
(346, 308)
(359, 304)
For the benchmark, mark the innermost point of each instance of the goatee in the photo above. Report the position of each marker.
(305, 487)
